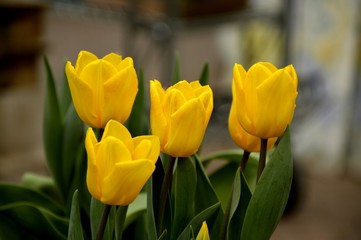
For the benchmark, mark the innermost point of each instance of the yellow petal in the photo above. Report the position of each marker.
(126, 62)
(146, 147)
(276, 105)
(84, 58)
(203, 233)
(120, 92)
(92, 177)
(173, 100)
(83, 97)
(158, 121)
(119, 131)
(113, 58)
(187, 129)
(125, 182)
(207, 99)
(184, 87)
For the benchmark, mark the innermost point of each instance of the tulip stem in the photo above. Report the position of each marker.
(167, 180)
(244, 159)
(103, 222)
(262, 157)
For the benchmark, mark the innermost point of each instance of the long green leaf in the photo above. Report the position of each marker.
(73, 139)
(12, 193)
(176, 74)
(35, 221)
(75, 231)
(151, 226)
(205, 194)
(53, 130)
(271, 194)
(240, 201)
(183, 192)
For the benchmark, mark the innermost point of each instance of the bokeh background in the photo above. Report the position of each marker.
(320, 38)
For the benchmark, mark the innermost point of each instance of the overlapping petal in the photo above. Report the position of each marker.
(179, 116)
(102, 89)
(119, 165)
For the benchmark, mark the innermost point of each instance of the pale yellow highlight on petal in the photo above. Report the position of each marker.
(126, 62)
(125, 181)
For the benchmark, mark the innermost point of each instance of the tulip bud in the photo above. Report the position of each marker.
(203, 232)
(102, 89)
(179, 116)
(266, 98)
(119, 165)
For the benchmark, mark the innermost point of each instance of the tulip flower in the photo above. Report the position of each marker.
(102, 89)
(265, 98)
(119, 165)
(242, 138)
(179, 116)
(203, 233)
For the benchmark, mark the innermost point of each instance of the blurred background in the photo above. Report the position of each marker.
(320, 38)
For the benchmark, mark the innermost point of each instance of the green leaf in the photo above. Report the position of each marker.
(120, 216)
(53, 130)
(96, 210)
(203, 78)
(205, 194)
(137, 124)
(151, 226)
(176, 76)
(41, 184)
(34, 221)
(72, 145)
(206, 215)
(11, 194)
(65, 97)
(271, 194)
(183, 192)
(75, 231)
(222, 181)
(233, 155)
(240, 200)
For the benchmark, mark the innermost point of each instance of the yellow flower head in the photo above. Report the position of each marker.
(203, 233)
(265, 98)
(242, 138)
(119, 165)
(102, 89)
(179, 116)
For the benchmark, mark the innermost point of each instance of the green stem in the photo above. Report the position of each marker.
(164, 193)
(244, 159)
(119, 221)
(262, 158)
(103, 222)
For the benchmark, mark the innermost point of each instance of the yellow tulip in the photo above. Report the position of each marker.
(242, 138)
(102, 89)
(265, 98)
(179, 116)
(119, 165)
(203, 233)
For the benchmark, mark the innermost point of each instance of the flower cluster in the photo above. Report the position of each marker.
(123, 177)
